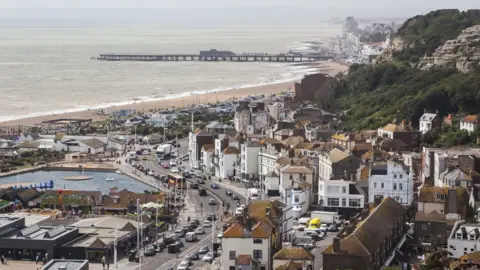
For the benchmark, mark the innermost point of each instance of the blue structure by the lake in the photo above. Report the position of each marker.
(53, 179)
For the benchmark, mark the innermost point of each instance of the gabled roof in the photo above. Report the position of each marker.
(458, 175)
(283, 160)
(257, 209)
(231, 151)
(270, 141)
(397, 128)
(293, 253)
(337, 155)
(473, 118)
(428, 117)
(368, 236)
(93, 143)
(290, 265)
(296, 169)
(207, 147)
(29, 144)
(28, 194)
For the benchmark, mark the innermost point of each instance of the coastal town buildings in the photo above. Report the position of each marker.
(338, 164)
(341, 196)
(392, 180)
(249, 159)
(403, 132)
(196, 140)
(470, 123)
(429, 121)
(251, 113)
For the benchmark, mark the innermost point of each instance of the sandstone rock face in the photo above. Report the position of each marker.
(462, 53)
(396, 45)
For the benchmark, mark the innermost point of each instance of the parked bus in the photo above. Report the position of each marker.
(177, 181)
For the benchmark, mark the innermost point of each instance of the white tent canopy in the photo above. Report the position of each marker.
(152, 205)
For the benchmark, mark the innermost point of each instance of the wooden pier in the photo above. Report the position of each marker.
(230, 58)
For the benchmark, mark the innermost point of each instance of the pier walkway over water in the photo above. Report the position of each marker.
(214, 55)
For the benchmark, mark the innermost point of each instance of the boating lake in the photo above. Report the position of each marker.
(96, 183)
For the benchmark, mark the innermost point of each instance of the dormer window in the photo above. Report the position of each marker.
(440, 196)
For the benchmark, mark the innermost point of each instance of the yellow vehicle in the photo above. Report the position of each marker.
(144, 158)
(314, 223)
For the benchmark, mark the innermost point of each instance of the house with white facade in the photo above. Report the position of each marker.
(429, 121)
(196, 140)
(28, 137)
(229, 158)
(207, 158)
(296, 183)
(252, 234)
(455, 177)
(249, 159)
(470, 123)
(464, 239)
(268, 169)
(341, 196)
(390, 179)
(437, 160)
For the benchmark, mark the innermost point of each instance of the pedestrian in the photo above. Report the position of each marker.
(103, 261)
(2, 259)
(37, 258)
(108, 265)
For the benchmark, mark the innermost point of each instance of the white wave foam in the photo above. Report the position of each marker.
(294, 72)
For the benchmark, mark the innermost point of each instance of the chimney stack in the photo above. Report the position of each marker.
(336, 244)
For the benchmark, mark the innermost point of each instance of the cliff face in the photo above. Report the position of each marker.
(396, 45)
(462, 53)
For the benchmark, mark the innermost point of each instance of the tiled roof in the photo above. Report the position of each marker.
(207, 147)
(362, 147)
(93, 143)
(341, 137)
(293, 141)
(291, 265)
(234, 231)
(368, 236)
(428, 117)
(231, 150)
(283, 161)
(337, 155)
(458, 174)
(375, 155)
(397, 128)
(434, 216)
(270, 141)
(307, 146)
(297, 169)
(473, 118)
(293, 253)
(28, 194)
(257, 209)
(29, 144)
(262, 230)
(243, 260)
(429, 194)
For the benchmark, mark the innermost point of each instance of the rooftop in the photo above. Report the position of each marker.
(293, 253)
(428, 117)
(65, 264)
(93, 143)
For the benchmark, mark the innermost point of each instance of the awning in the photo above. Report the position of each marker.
(152, 205)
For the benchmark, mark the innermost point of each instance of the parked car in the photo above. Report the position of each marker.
(202, 192)
(333, 228)
(193, 224)
(207, 223)
(220, 235)
(203, 250)
(211, 217)
(193, 256)
(208, 257)
(200, 181)
(238, 211)
(323, 227)
(212, 201)
(180, 233)
(200, 230)
(228, 192)
(214, 186)
(174, 170)
(182, 266)
(194, 186)
(149, 251)
(235, 196)
(180, 243)
(196, 222)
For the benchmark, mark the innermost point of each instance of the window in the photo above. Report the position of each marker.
(333, 201)
(381, 184)
(257, 241)
(440, 196)
(354, 202)
(257, 253)
(296, 199)
(374, 184)
(394, 176)
(459, 236)
(401, 186)
(344, 189)
(232, 255)
(320, 187)
(394, 186)
(400, 175)
(424, 227)
(344, 202)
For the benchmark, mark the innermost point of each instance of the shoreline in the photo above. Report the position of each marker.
(326, 67)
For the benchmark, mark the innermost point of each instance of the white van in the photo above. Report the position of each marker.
(191, 237)
(303, 223)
